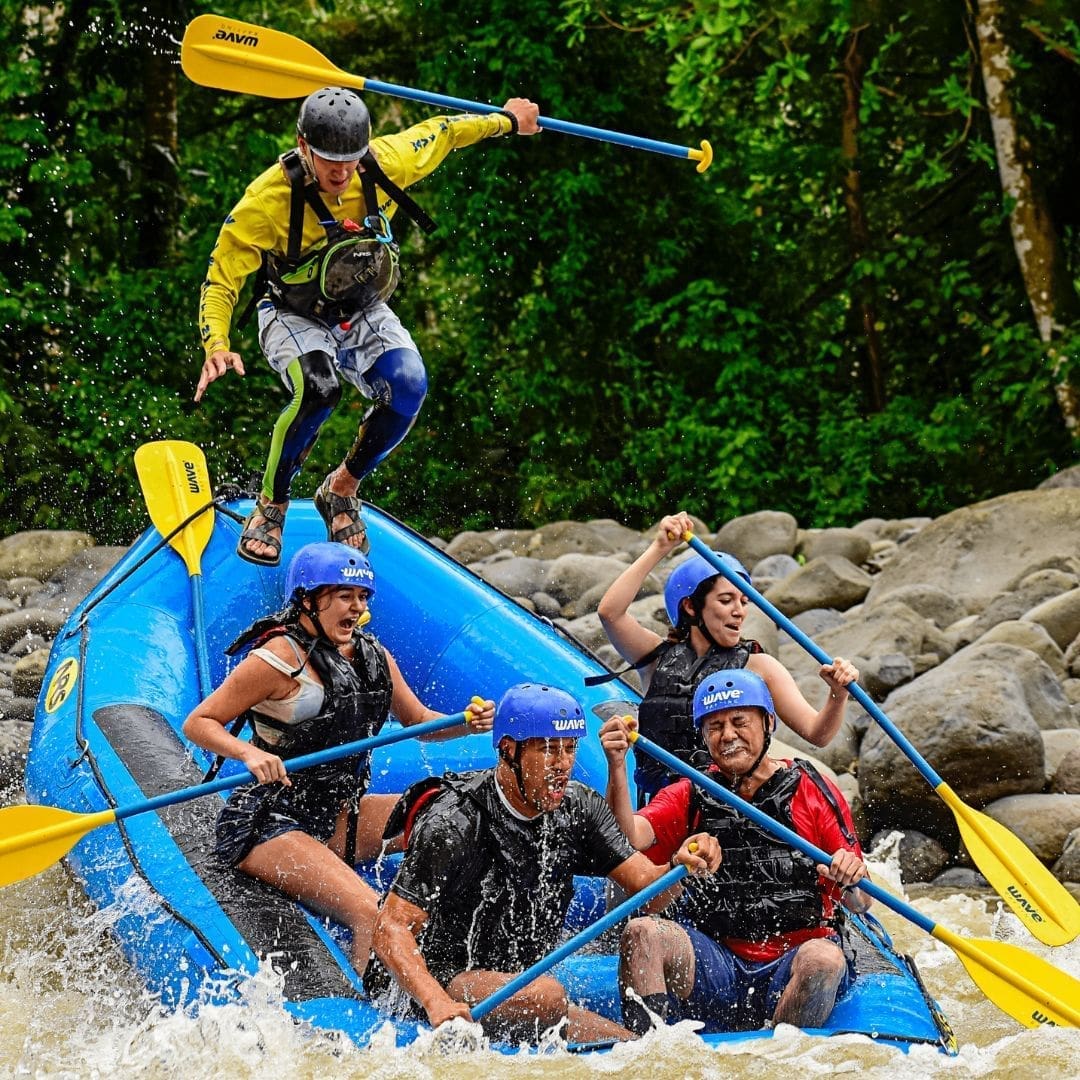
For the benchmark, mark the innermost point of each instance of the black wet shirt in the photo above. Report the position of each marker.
(496, 888)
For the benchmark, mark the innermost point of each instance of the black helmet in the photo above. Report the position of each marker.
(335, 124)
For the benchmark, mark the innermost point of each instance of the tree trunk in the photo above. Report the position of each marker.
(157, 197)
(851, 77)
(1053, 299)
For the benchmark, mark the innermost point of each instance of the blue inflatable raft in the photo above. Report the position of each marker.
(122, 678)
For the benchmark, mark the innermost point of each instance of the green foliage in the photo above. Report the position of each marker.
(608, 332)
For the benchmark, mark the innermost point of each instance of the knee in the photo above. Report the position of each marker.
(321, 386)
(640, 938)
(405, 377)
(549, 999)
(819, 957)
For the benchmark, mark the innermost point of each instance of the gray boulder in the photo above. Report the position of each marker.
(1042, 822)
(516, 575)
(26, 621)
(826, 582)
(847, 543)
(929, 601)
(1027, 635)
(1066, 777)
(1069, 477)
(1059, 617)
(751, 537)
(516, 541)
(28, 674)
(1029, 593)
(561, 538)
(774, 567)
(1067, 868)
(40, 553)
(65, 588)
(1058, 744)
(972, 720)
(469, 547)
(571, 576)
(19, 588)
(880, 675)
(980, 551)
(921, 857)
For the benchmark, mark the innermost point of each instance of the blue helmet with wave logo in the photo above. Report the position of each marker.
(535, 711)
(685, 579)
(740, 689)
(328, 563)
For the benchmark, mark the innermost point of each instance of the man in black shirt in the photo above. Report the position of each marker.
(488, 874)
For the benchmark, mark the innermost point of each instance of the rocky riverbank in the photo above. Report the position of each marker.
(966, 629)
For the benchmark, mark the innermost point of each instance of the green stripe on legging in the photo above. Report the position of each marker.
(277, 440)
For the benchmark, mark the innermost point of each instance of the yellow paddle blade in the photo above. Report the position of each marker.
(175, 484)
(32, 838)
(231, 55)
(1032, 991)
(1038, 899)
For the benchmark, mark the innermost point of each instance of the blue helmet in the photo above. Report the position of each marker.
(732, 689)
(687, 576)
(328, 563)
(535, 711)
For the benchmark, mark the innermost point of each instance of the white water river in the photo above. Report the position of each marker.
(70, 1006)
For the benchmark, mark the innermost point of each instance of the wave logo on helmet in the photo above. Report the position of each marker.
(573, 725)
(363, 573)
(722, 699)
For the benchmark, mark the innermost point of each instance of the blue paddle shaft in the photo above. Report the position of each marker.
(676, 765)
(320, 757)
(564, 126)
(616, 914)
(199, 618)
(856, 691)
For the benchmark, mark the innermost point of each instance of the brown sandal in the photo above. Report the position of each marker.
(273, 518)
(330, 505)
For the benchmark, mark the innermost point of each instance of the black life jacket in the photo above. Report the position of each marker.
(666, 714)
(358, 264)
(356, 701)
(763, 886)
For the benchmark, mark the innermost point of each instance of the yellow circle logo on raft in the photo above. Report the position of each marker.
(61, 684)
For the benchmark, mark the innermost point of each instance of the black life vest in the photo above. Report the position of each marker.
(356, 702)
(763, 886)
(666, 714)
(358, 264)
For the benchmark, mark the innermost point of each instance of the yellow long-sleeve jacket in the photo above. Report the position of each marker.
(260, 220)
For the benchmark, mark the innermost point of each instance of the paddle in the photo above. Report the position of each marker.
(176, 485)
(34, 837)
(1039, 900)
(1026, 987)
(227, 54)
(583, 937)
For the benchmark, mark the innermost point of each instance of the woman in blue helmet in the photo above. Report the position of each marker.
(706, 613)
(488, 875)
(314, 679)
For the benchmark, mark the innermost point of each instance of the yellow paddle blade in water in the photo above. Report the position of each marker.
(227, 54)
(1039, 900)
(32, 838)
(176, 484)
(1032, 991)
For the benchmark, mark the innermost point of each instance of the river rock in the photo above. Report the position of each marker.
(39, 553)
(757, 626)
(560, 538)
(929, 601)
(621, 538)
(546, 605)
(980, 551)
(1066, 777)
(751, 537)
(1059, 617)
(25, 621)
(469, 547)
(28, 673)
(829, 581)
(516, 541)
(774, 567)
(1069, 477)
(962, 879)
(972, 718)
(846, 543)
(65, 588)
(19, 588)
(880, 675)
(515, 575)
(1067, 867)
(1027, 635)
(1058, 744)
(921, 857)
(571, 576)
(1042, 822)
(1029, 593)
